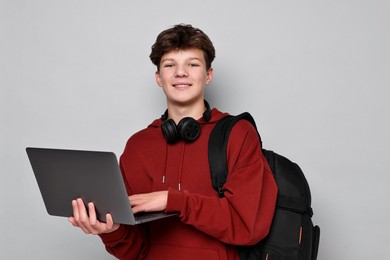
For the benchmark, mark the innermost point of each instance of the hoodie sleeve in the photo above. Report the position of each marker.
(126, 241)
(244, 215)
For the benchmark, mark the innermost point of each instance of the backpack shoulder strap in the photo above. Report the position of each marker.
(217, 148)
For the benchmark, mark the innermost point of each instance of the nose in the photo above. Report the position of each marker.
(181, 71)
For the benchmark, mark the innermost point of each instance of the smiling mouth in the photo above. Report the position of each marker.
(181, 85)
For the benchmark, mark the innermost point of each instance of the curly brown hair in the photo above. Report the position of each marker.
(181, 37)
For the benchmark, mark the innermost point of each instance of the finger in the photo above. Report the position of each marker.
(95, 225)
(111, 226)
(140, 198)
(92, 214)
(83, 215)
(109, 221)
(75, 210)
(134, 200)
(71, 220)
(136, 209)
(75, 220)
(138, 202)
(83, 219)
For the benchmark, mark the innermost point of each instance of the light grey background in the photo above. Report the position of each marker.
(315, 74)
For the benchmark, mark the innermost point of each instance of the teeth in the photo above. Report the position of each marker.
(182, 85)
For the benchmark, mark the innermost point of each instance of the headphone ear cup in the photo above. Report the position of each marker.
(170, 132)
(189, 129)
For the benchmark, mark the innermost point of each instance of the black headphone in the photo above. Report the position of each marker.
(188, 129)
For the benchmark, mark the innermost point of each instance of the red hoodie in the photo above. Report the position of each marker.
(207, 225)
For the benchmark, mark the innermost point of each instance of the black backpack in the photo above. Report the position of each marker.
(292, 235)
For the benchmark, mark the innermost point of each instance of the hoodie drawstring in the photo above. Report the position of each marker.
(165, 163)
(181, 164)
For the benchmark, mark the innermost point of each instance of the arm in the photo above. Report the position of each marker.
(244, 215)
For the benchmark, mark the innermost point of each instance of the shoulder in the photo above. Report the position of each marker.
(243, 128)
(244, 133)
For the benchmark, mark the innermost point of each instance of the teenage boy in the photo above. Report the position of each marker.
(165, 167)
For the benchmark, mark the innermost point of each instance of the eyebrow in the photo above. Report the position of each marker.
(189, 59)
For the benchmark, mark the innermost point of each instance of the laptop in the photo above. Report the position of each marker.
(64, 175)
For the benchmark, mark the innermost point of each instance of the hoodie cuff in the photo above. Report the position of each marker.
(175, 200)
(115, 235)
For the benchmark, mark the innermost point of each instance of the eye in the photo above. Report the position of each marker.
(194, 65)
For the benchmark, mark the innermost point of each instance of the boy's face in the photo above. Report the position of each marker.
(183, 75)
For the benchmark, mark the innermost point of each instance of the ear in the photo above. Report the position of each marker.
(210, 73)
(158, 78)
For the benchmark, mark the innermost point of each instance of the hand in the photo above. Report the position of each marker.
(90, 224)
(154, 201)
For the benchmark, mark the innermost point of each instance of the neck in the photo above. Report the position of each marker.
(178, 112)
